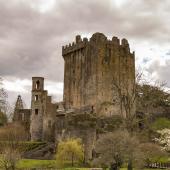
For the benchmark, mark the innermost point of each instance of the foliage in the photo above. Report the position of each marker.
(108, 124)
(3, 104)
(34, 163)
(161, 123)
(9, 158)
(120, 147)
(70, 150)
(3, 118)
(13, 132)
(144, 96)
(125, 95)
(5, 107)
(152, 152)
(3, 96)
(42, 164)
(164, 139)
(11, 136)
(117, 147)
(150, 96)
(82, 120)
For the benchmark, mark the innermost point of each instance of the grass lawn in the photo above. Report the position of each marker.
(32, 163)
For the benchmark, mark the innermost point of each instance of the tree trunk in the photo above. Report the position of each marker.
(114, 167)
(130, 165)
(72, 159)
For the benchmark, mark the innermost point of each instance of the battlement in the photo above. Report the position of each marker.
(74, 46)
(80, 43)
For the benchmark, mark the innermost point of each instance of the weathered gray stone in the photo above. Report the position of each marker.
(91, 68)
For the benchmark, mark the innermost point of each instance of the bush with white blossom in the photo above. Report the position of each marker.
(164, 139)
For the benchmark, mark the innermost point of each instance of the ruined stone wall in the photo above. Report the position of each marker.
(22, 117)
(91, 68)
(49, 120)
(37, 108)
(43, 113)
(77, 125)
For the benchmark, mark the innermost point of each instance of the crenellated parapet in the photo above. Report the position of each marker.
(98, 38)
(74, 46)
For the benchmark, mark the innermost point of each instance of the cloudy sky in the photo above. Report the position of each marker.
(32, 33)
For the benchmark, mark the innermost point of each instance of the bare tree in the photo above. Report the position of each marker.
(3, 94)
(126, 99)
(3, 99)
(9, 158)
(11, 138)
(140, 95)
(117, 148)
(151, 151)
(151, 96)
(120, 147)
(3, 119)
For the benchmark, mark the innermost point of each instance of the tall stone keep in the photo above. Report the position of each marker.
(37, 108)
(92, 67)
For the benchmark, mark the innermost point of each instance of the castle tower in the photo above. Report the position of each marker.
(37, 108)
(19, 103)
(92, 67)
(18, 106)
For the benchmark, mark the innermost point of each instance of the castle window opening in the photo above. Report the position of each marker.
(62, 124)
(92, 107)
(109, 52)
(23, 118)
(36, 111)
(82, 52)
(36, 97)
(37, 85)
(49, 123)
(114, 101)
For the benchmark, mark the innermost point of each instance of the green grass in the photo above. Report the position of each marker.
(144, 169)
(161, 123)
(33, 163)
(164, 159)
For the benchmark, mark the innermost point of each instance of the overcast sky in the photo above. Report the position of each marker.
(32, 33)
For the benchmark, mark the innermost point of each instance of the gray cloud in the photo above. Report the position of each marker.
(161, 72)
(30, 40)
(168, 53)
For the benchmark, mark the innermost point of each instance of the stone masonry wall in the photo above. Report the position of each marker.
(37, 108)
(91, 67)
(42, 121)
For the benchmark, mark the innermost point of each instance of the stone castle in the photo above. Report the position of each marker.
(91, 67)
